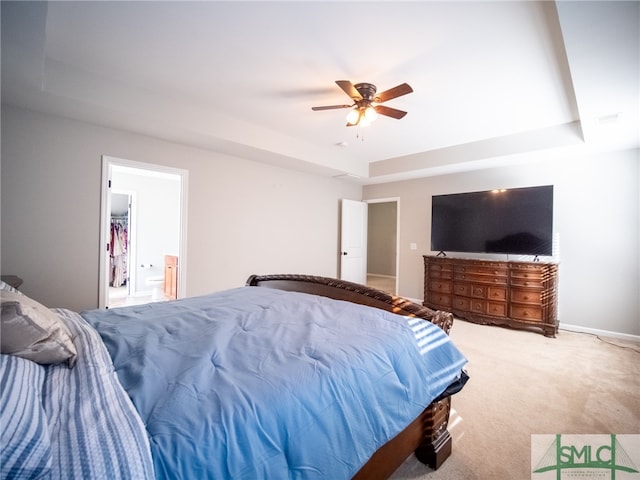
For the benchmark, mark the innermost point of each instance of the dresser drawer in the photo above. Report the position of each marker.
(441, 266)
(479, 291)
(462, 289)
(441, 287)
(526, 313)
(440, 300)
(461, 303)
(526, 296)
(478, 306)
(497, 309)
(479, 278)
(526, 282)
(497, 293)
(482, 270)
(440, 274)
(527, 274)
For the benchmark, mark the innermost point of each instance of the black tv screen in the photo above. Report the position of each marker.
(511, 221)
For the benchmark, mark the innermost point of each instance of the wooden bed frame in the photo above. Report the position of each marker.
(427, 435)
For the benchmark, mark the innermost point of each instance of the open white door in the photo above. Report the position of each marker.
(105, 194)
(353, 241)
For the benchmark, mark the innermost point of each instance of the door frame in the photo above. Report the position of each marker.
(397, 202)
(105, 213)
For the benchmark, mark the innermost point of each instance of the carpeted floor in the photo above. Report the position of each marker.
(523, 383)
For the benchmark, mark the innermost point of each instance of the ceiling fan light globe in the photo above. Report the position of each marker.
(364, 122)
(352, 116)
(370, 114)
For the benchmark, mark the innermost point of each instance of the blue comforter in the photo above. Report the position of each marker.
(258, 383)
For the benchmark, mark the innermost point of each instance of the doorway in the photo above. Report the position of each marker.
(382, 244)
(156, 226)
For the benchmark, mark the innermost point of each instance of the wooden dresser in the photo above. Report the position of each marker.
(516, 294)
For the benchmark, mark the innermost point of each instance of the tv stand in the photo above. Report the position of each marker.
(514, 294)
(441, 254)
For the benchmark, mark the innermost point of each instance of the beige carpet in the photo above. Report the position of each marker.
(523, 383)
(382, 282)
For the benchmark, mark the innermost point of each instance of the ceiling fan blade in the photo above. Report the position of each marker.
(394, 92)
(349, 89)
(389, 112)
(331, 107)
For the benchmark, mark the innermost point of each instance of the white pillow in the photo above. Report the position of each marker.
(32, 331)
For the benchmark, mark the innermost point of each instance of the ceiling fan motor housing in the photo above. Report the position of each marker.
(367, 90)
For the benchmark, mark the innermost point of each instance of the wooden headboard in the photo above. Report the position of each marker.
(352, 292)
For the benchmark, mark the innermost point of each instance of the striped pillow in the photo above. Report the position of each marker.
(25, 444)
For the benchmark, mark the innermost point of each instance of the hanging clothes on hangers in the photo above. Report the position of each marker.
(118, 247)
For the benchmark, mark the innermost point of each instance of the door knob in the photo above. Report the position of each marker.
(344, 253)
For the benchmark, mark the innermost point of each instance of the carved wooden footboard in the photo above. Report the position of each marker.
(427, 435)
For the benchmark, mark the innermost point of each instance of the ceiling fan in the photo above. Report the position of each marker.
(364, 96)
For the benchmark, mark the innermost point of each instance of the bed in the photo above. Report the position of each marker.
(290, 380)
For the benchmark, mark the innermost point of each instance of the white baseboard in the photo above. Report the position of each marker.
(601, 333)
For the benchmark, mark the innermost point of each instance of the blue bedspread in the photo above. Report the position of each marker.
(258, 383)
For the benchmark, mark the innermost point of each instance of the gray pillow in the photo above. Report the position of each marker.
(6, 287)
(32, 331)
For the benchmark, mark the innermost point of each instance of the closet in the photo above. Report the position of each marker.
(119, 241)
(119, 251)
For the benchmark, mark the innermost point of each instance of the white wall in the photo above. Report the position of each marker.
(244, 217)
(597, 217)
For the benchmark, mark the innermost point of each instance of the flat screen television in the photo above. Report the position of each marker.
(512, 221)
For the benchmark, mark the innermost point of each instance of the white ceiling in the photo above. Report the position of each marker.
(494, 82)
